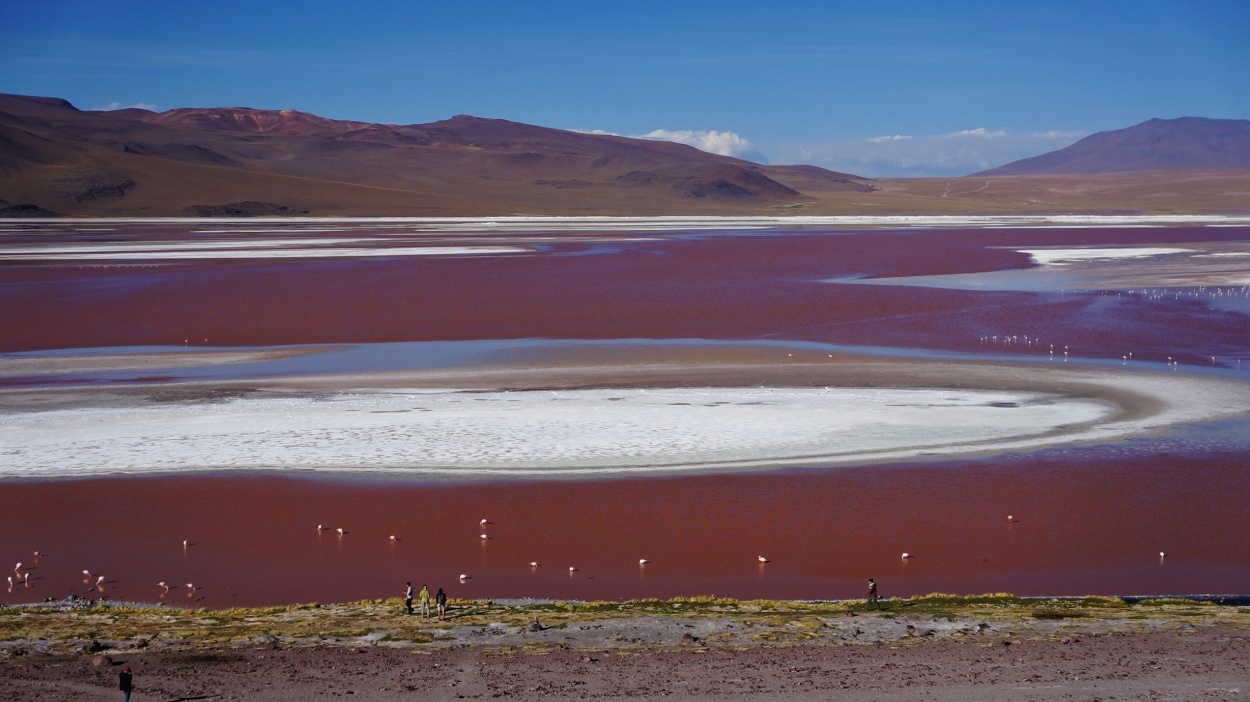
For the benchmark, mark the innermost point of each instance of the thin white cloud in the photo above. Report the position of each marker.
(723, 143)
(118, 106)
(957, 153)
(711, 141)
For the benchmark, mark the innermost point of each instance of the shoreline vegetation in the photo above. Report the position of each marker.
(691, 649)
(88, 626)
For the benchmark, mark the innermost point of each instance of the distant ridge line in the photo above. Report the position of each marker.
(1184, 143)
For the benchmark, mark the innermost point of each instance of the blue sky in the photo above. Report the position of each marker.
(876, 88)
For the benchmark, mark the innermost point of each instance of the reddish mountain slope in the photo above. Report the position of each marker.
(1191, 143)
(239, 160)
(243, 119)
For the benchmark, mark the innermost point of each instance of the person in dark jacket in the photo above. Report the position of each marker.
(124, 679)
(441, 601)
(872, 596)
(408, 598)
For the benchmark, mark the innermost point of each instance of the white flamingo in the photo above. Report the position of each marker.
(643, 561)
(764, 560)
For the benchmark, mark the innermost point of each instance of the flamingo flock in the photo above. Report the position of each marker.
(22, 572)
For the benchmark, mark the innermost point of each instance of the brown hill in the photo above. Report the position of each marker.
(1187, 143)
(239, 161)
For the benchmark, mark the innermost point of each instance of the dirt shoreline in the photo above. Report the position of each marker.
(989, 648)
(54, 364)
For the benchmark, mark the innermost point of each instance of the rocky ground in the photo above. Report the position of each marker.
(1088, 649)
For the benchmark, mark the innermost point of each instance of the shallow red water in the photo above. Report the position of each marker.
(1084, 527)
(713, 287)
(1090, 521)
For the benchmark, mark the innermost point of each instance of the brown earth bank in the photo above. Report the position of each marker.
(989, 662)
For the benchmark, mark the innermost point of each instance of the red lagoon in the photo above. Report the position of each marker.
(1087, 520)
(1083, 524)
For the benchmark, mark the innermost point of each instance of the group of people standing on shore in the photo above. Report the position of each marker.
(440, 601)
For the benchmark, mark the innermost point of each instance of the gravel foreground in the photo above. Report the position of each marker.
(994, 649)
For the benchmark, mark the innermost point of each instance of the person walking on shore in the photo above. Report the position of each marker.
(425, 602)
(408, 598)
(124, 680)
(872, 596)
(440, 600)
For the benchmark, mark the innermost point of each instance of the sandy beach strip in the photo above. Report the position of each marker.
(25, 365)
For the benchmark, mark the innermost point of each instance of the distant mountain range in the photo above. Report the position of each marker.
(239, 161)
(1187, 143)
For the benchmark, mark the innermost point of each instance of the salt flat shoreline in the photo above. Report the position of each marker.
(1138, 402)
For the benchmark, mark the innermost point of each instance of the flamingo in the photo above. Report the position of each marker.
(572, 569)
(191, 587)
(393, 538)
(341, 531)
(321, 527)
(1011, 518)
(164, 587)
(463, 577)
(484, 522)
(643, 561)
(764, 560)
(906, 554)
(485, 537)
(533, 564)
